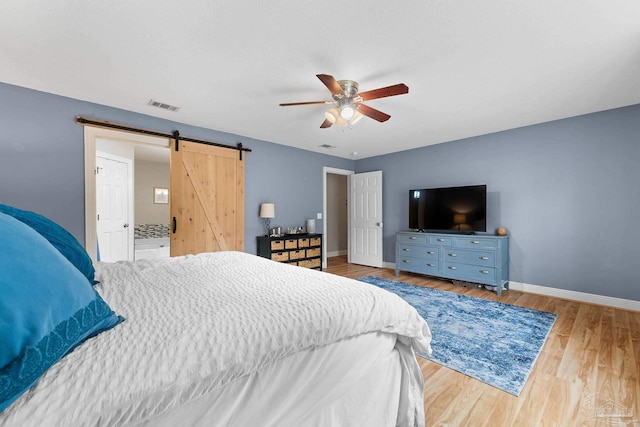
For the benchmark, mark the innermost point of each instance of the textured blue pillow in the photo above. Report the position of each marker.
(47, 308)
(57, 236)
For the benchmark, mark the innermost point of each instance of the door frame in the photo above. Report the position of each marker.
(325, 171)
(91, 135)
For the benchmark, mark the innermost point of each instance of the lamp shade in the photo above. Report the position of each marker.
(459, 218)
(267, 210)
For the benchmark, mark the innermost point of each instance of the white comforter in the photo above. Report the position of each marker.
(196, 323)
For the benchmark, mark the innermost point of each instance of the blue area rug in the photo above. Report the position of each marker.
(493, 342)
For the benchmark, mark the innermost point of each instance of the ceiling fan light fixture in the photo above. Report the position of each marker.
(330, 115)
(334, 116)
(350, 103)
(347, 112)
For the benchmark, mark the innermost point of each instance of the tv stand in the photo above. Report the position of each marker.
(479, 258)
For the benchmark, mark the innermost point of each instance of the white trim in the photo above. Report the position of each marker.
(336, 253)
(327, 170)
(624, 304)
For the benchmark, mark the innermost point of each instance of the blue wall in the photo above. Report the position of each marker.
(568, 191)
(42, 162)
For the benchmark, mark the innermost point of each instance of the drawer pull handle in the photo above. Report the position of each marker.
(484, 271)
(453, 255)
(440, 240)
(451, 267)
(406, 249)
(430, 265)
(405, 260)
(430, 252)
(484, 258)
(412, 238)
(475, 242)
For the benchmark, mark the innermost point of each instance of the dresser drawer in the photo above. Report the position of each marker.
(424, 252)
(310, 263)
(315, 241)
(470, 257)
(476, 243)
(291, 244)
(468, 272)
(303, 243)
(441, 240)
(277, 245)
(419, 265)
(315, 252)
(411, 239)
(280, 256)
(297, 254)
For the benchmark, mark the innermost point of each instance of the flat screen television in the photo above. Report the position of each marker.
(451, 209)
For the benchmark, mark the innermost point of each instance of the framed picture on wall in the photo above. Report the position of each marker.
(160, 195)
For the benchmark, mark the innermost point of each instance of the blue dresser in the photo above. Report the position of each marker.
(478, 258)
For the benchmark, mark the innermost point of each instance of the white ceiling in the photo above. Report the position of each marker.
(472, 67)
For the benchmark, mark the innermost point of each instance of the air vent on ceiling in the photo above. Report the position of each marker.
(327, 146)
(163, 105)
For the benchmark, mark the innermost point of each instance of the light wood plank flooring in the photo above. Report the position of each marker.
(586, 375)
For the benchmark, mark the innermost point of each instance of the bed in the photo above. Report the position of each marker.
(231, 339)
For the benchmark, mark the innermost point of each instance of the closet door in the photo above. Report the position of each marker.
(206, 199)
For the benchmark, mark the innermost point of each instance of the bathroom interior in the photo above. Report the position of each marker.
(151, 207)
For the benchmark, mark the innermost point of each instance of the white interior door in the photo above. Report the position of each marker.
(114, 213)
(365, 219)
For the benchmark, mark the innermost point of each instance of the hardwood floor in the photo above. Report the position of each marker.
(588, 373)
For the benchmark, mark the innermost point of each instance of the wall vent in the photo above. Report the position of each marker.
(163, 105)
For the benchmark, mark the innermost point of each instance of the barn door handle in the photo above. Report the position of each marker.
(175, 224)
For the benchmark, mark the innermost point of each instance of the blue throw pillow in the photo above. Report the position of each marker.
(47, 308)
(57, 236)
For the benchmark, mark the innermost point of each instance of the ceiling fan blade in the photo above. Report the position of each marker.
(289, 104)
(399, 89)
(373, 113)
(331, 84)
(326, 124)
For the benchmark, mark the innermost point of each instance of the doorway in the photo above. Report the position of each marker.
(337, 231)
(363, 216)
(335, 219)
(122, 144)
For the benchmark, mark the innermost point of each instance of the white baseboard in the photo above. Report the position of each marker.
(390, 265)
(625, 304)
(336, 253)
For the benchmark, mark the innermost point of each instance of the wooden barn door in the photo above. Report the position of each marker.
(206, 198)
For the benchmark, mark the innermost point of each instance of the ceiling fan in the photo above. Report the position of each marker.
(350, 104)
